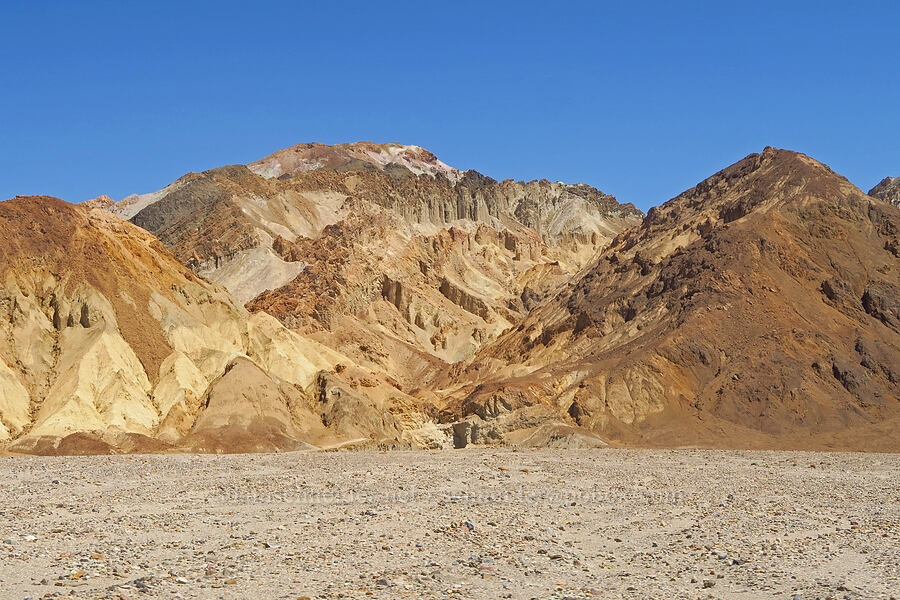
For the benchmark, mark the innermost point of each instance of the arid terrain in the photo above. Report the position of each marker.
(458, 524)
(370, 296)
(448, 301)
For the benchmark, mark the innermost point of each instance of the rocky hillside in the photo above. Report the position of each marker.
(109, 343)
(757, 309)
(369, 294)
(381, 251)
(888, 190)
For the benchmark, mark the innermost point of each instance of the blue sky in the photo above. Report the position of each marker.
(641, 101)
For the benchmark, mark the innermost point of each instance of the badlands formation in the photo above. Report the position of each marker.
(109, 342)
(369, 295)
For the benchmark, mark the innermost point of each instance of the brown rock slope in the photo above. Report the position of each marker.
(759, 309)
(110, 344)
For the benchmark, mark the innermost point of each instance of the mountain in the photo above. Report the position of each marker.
(888, 190)
(381, 251)
(760, 308)
(350, 157)
(369, 294)
(110, 344)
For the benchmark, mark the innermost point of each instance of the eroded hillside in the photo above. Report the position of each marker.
(380, 250)
(366, 294)
(109, 343)
(758, 309)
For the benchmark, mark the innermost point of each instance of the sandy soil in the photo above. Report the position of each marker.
(461, 524)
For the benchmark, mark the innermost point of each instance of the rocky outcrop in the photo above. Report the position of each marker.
(395, 293)
(390, 158)
(882, 300)
(888, 190)
(464, 300)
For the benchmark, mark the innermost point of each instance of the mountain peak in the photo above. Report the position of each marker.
(102, 201)
(759, 303)
(311, 156)
(888, 190)
(757, 182)
(43, 212)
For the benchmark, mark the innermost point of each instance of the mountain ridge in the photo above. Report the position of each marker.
(110, 344)
(393, 304)
(315, 231)
(671, 308)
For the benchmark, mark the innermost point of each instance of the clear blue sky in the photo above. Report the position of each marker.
(641, 99)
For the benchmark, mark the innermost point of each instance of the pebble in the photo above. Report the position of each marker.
(558, 524)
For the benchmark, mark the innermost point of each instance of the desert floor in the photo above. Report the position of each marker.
(453, 524)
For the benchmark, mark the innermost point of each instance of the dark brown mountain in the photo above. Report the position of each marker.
(760, 308)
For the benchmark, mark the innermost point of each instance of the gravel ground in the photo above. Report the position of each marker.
(453, 524)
